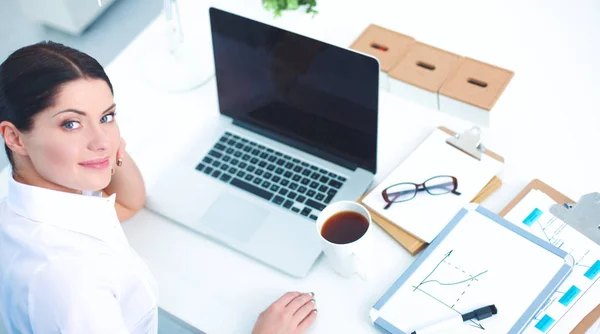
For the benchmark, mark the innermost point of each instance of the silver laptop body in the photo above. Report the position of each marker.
(297, 131)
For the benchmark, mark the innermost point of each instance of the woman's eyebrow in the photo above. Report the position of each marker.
(81, 112)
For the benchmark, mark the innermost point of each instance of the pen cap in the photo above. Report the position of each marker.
(480, 314)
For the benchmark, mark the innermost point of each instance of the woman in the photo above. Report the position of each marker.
(65, 264)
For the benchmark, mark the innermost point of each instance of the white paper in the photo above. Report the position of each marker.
(478, 264)
(425, 215)
(532, 213)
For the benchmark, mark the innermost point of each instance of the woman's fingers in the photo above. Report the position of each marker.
(304, 311)
(286, 299)
(298, 302)
(293, 313)
(309, 320)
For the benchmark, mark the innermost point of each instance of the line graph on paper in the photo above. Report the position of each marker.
(450, 282)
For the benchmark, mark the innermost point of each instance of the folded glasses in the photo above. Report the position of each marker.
(437, 185)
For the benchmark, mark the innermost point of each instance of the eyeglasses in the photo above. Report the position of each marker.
(402, 192)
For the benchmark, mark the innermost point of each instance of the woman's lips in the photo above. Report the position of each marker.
(96, 164)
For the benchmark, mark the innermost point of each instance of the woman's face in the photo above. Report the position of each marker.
(74, 142)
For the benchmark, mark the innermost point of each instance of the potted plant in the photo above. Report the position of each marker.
(276, 6)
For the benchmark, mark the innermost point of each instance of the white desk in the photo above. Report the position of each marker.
(546, 125)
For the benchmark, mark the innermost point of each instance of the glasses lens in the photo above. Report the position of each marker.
(439, 185)
(401, 192)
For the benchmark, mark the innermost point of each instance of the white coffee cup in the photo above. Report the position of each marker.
(349, 258)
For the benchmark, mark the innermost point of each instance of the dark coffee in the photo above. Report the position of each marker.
(344, 227)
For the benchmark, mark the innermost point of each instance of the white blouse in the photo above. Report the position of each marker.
(66, 266)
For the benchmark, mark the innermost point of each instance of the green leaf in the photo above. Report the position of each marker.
(276, 6)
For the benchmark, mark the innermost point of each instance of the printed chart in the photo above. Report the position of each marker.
(533, 214)
(448, 283)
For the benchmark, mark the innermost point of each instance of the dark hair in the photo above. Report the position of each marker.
(31, 77)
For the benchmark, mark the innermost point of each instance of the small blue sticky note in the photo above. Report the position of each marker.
(545, 323)
(533, 216)
(568, 297)
(593, 271)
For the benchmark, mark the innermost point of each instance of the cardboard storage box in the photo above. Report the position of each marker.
(419, 75)
(471, 92)
(386, 45)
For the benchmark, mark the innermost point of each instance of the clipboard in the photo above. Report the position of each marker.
(559, 198)
(429, 257)
(536, 184)
(410, 242)
(587, 321)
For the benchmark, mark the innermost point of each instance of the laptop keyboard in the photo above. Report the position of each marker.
(284, 180)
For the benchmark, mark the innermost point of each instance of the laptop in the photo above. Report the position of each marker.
(297, 131)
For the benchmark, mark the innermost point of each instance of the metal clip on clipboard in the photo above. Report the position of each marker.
(583, 216)
(469, 142)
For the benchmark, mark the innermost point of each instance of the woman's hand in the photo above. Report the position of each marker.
(291, 314)
(127, 183)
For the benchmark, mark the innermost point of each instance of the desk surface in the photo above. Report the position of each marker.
(546, 126)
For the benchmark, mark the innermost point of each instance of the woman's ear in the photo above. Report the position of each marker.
(13, 138)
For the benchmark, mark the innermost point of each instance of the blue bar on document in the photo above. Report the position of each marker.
(533, 216)
(569, 296)
(593, 271)
(545, 323)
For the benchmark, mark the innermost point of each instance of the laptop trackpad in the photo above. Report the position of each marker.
(234, 217)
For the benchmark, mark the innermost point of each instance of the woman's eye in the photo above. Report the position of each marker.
(108, 118)
(71, 125)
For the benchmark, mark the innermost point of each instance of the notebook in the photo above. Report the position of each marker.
(425, 216)
(478, 259)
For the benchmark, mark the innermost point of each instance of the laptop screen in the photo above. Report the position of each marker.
(321, 97)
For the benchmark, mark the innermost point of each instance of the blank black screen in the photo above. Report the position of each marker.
(317, 94)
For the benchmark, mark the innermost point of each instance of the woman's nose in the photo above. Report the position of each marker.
(99, 138)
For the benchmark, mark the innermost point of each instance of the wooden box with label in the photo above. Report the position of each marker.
(386, 45)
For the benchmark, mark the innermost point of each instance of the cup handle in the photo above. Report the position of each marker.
(359, 267)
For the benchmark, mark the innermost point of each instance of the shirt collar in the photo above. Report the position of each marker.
(91, 215)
